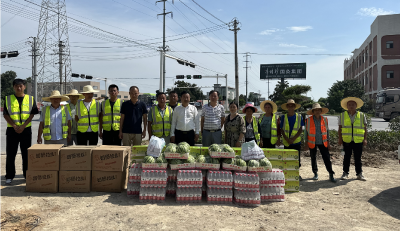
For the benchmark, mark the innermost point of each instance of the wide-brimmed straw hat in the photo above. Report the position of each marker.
(317, 106)
(290, 101)
(358, 101)
(274, 106)
(249, 105)
(55, 95)
(88, 89)
(75, 92)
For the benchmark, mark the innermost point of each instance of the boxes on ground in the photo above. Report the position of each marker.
(290, 154)
(291, 165)
(109, 181)
(110, 158)
(41, 181)
(292, 186)
(138, 153)
(278, 164)
(44, 157)
(77, 158)
(238, 151)
(291, 175)
(273, 154)
(74, 181)
(195, 151)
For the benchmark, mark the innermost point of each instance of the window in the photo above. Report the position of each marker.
(119, 96)
(125, 97)
(389, 99)
(95, 87)
(81, 88)
(95, 95)
(390, 74)
(389, 44)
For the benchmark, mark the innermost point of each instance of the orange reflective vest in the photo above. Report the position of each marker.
(311, 131)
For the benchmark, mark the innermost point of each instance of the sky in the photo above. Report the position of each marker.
(324, 32)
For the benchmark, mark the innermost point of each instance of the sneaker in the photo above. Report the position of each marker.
(8, 181)
(315, 176)
(345, 176)
(332, 179)
(300, 178)
(361, 177)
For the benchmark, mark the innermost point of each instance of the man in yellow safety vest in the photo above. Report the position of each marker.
(74, 96)
(352, 135)
(160, 119)
(18, 112)
(110, 117)
(87, 117)
(55, 121)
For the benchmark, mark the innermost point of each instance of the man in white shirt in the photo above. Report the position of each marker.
(185, 122)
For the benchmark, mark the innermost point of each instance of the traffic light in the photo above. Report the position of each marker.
(89, 77)
(181, 62)
(75, 75)
(196, 76)
(180, 77)
(188, 76)
(3, 55)
(83, 76)
(12, 54)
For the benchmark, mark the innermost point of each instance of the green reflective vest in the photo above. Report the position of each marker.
(274, 129)
(355, 130)
(19, 117)
(84, 115)
(161, 125)
(47, 122)
(255, 129)
(296, 128)
(113, 122)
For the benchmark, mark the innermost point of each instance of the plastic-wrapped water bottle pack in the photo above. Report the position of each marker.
(133, 189)
(153, 178)
(188, 195)
(220, 179)
(152, 194)
(172, 174)
(219, 195)
(276, 177)
(135, 172)
(247, 197)
(272, 193)
(246, 181)
(171, 188)
(189, 178)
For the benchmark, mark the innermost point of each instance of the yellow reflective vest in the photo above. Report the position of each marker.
(274, 129)
(161, 125)
(178, 104)
(88, 118)
(113, 122)
(355, 130)
(19, 117)
(296, 128)
(47, 122)
(255, 129)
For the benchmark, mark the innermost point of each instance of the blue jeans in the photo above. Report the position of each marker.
(209, 138)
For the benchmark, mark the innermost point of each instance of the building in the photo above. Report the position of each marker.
(222, 91)
(376, 63)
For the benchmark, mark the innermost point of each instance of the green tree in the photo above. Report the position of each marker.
(277, 96)
(7, 79)
(341, 90)
(323, 102)
(194, 91)
(297, 93)
(242, 100)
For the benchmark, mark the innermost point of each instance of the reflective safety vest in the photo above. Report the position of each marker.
(296, 128)
(47, 122)
(274, 128)
(161, 125)
(19, 117)
(311, 131)
(178, 104)
(255, 129)
(88, 118)
(113, 122)
(355, 130)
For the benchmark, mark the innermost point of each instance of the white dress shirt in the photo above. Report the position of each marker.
(185, 119)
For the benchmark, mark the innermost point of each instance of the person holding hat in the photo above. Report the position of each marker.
(317, 135)
(87, 117)
(74, 96)
(110, 116)
(55, 121)
(292, 127)
(352, 135)
(252, 125)
(235, 128)
(270, 131)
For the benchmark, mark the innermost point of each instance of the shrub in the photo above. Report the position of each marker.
(394, 124)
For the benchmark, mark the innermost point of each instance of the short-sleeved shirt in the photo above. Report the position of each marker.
(265, 126)
(292, 121)
(212, 116)
(55, 121)
(133, 116)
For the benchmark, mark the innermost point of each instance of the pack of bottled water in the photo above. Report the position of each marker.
(171, 188)
(276, 177)
(133, 189)
(247, 197)
(188, 194)
(219, 195)
(189, 178)
(172, 174)
(135, 172)
(153, 178)
(219, 179)
(204, 173)
(246, 181)
(152, 194)
(272, 193)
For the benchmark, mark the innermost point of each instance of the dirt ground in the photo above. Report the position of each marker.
(320, 205)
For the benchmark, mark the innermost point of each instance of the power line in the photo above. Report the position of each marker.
(209, 13)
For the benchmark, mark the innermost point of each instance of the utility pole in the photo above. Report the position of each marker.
(268, 90)
(235, 23)
(34, 68)
(247, 67)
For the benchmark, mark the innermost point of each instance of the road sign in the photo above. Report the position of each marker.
(285, 70)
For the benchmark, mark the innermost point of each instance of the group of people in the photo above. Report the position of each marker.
(84, 120)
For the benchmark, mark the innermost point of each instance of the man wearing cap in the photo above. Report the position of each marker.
(19, 111)
(252, 125)
(270, 131)
(74, 96)
(317, 135)
(292, 127)
(110, 117)
(160, 118)
(352, 135)
(55, 121)
(173, 100)
(212, 120)
(87, 117)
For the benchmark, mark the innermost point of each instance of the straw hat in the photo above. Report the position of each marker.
(290, 101)
(75, 92)
(249, 105)
(274, 106)
(358, 101)
(316, 106)
(55, 95)
(88, 89)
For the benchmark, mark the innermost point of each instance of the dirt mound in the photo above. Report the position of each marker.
(19, 220)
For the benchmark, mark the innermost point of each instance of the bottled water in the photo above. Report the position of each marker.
(133, 189)
(189, 178)
(219, 195)
(247, 197)
(220, 179)
(135, 172)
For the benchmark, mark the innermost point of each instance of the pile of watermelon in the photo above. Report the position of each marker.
(149, 160)
(171, 148)
(183, 148)
(253, 163)
(214, 148)
(227, 148)
(190, 160)
(265, 163)
(161, 159)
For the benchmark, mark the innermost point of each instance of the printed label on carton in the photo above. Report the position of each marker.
(259, 169)
(290, 154)
(41, 181)
(278, 164)
(139, 150)
(238, 151)
(291, 175)
(204, 151)
(292, 186)
(195, 151)
(291, 165)
(273, 154)
(234, 167)
(207, 166)
(155, 166)
(170, 155)
(183, 166)
(222, 154)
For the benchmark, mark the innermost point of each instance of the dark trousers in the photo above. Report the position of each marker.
(182, 136)
(349, 149)
(325, 156)
(111, 138)
(85, 137)
(295, 147)
(13, 139)
(267, 143)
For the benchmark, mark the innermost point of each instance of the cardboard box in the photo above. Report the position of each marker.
(137, 159)
(195, 151)
(234, 167)
(139, 150)
(44, 157)
(278, 164)
(291, 165)
(292, 186)
(291, 175)
(76, 158)
(238, 151)
(111, 158)
(42, 181)
(259, 169)
(183, 166)
(74, 181)
(290, 154)
(273, 153)
(158, 166)
(109, 181)
(222, 154)
(208, 166)
(170, 155)
(204, 151)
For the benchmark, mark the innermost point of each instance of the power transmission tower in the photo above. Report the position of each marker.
(235, 29)
(247, 67)
(53, 44)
